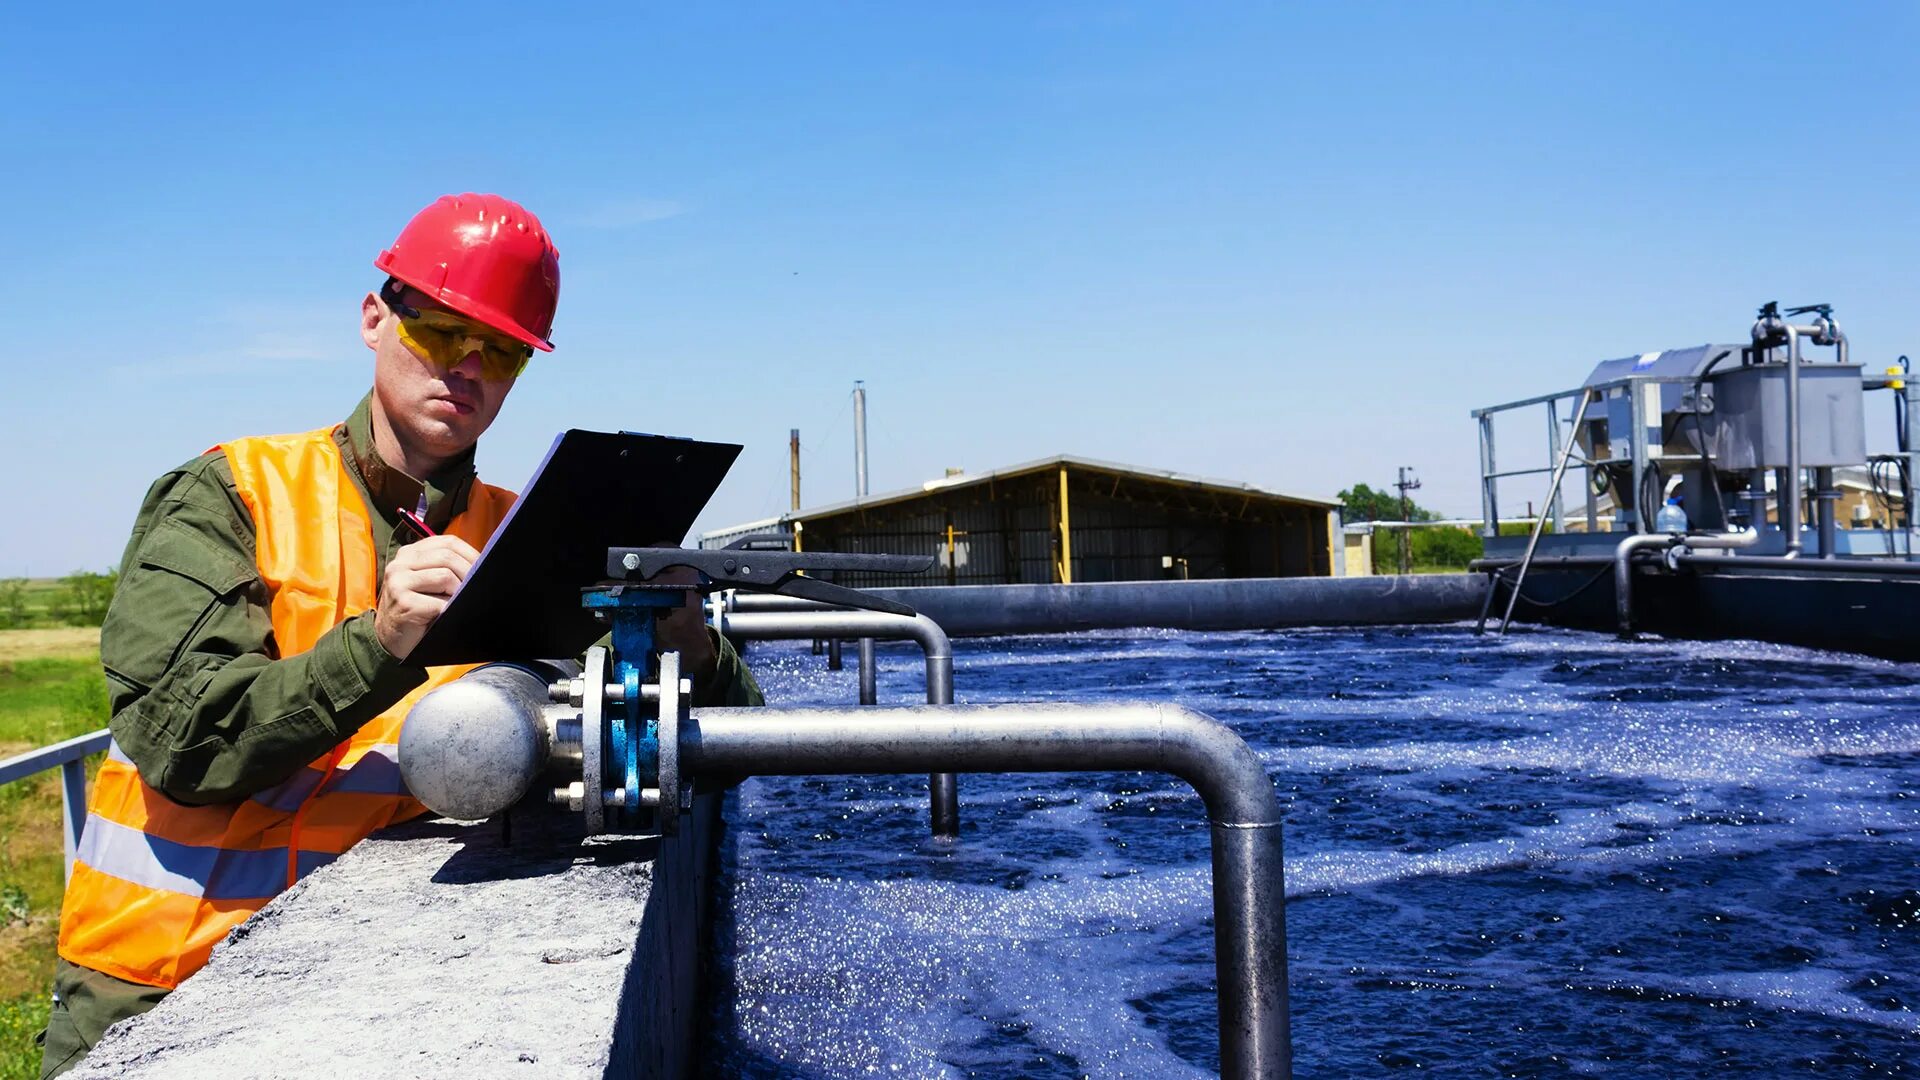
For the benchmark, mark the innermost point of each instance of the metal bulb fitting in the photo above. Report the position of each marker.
(473, 747)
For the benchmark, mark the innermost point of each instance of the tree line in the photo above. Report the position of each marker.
(79, 599)
(1433, 547)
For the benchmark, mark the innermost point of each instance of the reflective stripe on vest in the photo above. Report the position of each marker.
(156, 884)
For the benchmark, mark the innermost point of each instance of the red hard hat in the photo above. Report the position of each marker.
(485, 257)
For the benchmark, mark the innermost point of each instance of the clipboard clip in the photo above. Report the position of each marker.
(755, 570)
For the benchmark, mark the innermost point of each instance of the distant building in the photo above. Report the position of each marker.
(1070, 519)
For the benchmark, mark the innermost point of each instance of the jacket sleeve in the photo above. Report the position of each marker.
(731, 684)
(202, 702)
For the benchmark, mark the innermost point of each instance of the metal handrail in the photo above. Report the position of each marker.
(773, 617)
(1553, 492)
(70, 758)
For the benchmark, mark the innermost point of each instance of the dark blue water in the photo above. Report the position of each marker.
(1549, 855)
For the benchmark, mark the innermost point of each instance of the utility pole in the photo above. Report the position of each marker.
(1407, 482)
(860, 438)
(793, 466)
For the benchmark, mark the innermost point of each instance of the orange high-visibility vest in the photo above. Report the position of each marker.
(156, 884)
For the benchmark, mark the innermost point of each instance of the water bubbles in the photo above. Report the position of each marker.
(1548, 854)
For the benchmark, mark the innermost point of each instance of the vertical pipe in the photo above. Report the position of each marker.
(833, 654)
(793, 468)
(1249, 896)
(73, 806)
(1066, 533)
(1489, 487)
(869, 679)
(860, 439)
(1825, 497)
(1556, 504)
(1912, 390)
(1793, 516)
(1627, 503)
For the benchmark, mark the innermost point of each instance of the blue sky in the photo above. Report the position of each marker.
(1286, 245)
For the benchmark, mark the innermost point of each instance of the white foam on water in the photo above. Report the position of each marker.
(897, 977)
(909, 971)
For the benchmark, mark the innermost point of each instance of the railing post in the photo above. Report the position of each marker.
(73, 807)
(1489, 492)
(869, 689)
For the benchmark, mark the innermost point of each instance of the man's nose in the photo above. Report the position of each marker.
(469, 365)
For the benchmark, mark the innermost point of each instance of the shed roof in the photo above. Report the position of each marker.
(965, 480)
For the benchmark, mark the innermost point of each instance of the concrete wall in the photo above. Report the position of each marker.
(436, 949)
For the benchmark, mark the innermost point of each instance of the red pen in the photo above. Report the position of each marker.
(418, 520)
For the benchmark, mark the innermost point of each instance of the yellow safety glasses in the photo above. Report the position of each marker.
(445, 340)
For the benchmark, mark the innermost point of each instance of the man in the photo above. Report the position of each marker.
(256, 649)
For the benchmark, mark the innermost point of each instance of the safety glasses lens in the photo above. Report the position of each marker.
(445, 343)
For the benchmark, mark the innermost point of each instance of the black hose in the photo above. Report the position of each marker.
(1501, 576)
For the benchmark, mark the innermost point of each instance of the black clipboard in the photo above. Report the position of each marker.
(593, 491)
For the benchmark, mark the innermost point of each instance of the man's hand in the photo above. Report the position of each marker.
(420, 579)
(684, 629)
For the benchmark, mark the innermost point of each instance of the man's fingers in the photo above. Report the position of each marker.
(448, 551)
(428, 580)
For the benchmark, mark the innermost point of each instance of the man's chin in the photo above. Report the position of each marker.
(447, 438)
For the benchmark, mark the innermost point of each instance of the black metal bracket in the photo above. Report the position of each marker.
(768, 571)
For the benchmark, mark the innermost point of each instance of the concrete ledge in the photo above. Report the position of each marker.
(433, 949)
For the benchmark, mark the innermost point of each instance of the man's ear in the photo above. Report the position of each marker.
(371, 312)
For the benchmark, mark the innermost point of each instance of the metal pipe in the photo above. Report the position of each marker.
(1825, 496)
(1885, 568)
(1623, 575)
(860, 439)
(1198, 604)
(869, 688)
(943, 789)
(1489, 492)
(1790, 519)
(1250, 959)
(752, 601)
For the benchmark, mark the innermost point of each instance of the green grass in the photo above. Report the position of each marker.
(42, 701)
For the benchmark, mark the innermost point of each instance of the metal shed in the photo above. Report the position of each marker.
(1072, 519)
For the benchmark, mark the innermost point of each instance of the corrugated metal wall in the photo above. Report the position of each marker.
(1123, 529)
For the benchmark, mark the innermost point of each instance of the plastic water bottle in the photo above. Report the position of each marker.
(1671, 518)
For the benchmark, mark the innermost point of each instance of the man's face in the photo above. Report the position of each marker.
(438, 404)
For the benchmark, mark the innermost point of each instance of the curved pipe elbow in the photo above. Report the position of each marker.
(1230, 778)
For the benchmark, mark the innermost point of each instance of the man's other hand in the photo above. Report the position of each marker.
(684, 629)
(419, 581)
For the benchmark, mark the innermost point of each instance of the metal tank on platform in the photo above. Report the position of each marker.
(1759, 441)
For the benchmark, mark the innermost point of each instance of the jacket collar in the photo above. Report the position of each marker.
(390, 488)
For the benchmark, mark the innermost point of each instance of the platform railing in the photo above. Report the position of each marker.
(70, 757)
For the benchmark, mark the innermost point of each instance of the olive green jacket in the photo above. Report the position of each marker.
(203, 703)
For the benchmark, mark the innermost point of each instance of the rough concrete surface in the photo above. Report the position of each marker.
(432, 950)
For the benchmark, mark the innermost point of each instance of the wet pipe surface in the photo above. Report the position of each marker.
(1549, 855)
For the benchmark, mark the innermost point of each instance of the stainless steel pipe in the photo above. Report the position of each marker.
(822, 621)
(1623, 562)
(1884, 568)
(1623, 554)
(869, 685)
(1790, 519)
(1825, 495)
(1249, 896)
